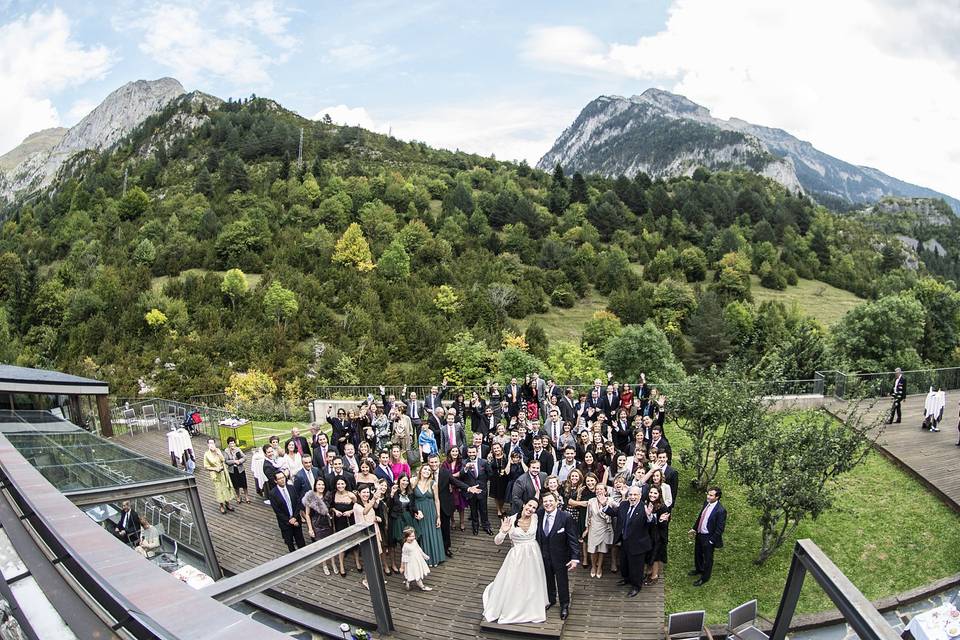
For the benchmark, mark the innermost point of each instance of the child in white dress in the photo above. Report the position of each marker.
(413, 561)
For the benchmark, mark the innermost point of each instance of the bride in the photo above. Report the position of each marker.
(519, 592)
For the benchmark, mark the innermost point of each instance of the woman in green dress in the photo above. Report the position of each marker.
(214, 463)
(426, 508)
(401, 515)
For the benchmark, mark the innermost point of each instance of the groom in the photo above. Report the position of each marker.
(560, 546)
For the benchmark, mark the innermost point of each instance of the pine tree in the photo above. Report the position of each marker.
(578, 188)
(352, 249)
(204, 183)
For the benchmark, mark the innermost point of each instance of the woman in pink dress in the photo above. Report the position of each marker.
(398, 465)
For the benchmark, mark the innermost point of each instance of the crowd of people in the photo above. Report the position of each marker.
(420, 468)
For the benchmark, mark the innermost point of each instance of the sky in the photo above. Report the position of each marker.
(873, 82)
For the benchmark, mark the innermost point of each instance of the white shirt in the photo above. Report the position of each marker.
(705, 516)
(563, 470)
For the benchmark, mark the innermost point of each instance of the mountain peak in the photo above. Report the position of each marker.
(672, 102)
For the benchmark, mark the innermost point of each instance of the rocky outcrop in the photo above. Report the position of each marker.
(39, 142)
(666, 135)
(115, 117)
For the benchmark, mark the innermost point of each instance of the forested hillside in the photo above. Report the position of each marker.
(377, 260)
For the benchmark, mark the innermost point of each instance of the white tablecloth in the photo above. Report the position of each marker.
(936, 624)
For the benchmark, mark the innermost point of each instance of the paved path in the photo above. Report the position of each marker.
(250, 537)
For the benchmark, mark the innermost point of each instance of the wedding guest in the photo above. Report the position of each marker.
(128, 525)
(476, 476)
(233, 457)
(654, 478)
(670, 475)
(342, 502)
(213, 461)
(553, 488)
(444, 485)
(287, 512)
(616, 495)
(400, 513)
(501, 436)
(620, 466)
(149, 539)
(499, 468)
(398, 464)
(454, 464)
(708, 535)
(426, 441)
(402, 426)
(659, 533)
(563, 467)
(426, 505)
(599, 532)
(413, 561)
(364, 512)
(384, 471)
(318, 517)
(634, 524)
(515, 471)
(592, 466)
(366, 477)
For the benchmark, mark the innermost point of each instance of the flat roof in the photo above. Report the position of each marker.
(73, 459)
(26, 380)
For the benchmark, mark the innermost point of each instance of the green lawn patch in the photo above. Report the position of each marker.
(263, 430)
(567, 324)
(824, 302)
(156, 284)
(885, 532)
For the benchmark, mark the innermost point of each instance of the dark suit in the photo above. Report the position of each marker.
(620, 433)
(129, 523)
(444, 480)
(270, 470)
(633, 534)
(672, 478)
(331, 481)
(609, 405)
(514, 399)
(292, 534)
(707, 542)
(524, 489)
(460, 437)
(431, 402)
(320, 455)
(304, 445)
(477, 477)
(899, 394)
(415, 407)
(663, 445)
(545, 458)
(304, 482)
(558, 547)
(568, 411)
(385, 474)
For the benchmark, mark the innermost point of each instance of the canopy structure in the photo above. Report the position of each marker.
(84, 401)
(91, 470)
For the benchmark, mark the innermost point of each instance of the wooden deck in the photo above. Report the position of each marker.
(933, 458)
(249, 536)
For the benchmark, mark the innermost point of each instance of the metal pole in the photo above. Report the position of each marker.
(378, 593)
(193, 495)
(791, 594)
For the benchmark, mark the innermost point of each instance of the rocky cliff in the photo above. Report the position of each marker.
(666, 135)
(103, 127)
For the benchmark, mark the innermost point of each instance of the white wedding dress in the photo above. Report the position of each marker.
(519, 592)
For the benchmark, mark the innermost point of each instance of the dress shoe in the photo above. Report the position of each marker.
(700, 582)
(633, 592)
(489, 531)
(564, 612)
(549, 604)
(448, 552)
(476, 531)
(621, 582)
(693, 573)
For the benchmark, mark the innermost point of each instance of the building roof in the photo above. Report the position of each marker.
(26, 380)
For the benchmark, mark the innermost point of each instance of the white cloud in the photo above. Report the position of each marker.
(870, 81)
(360, 55)
(39, 58)
(352, 116)
(78, 110)
(183, 38)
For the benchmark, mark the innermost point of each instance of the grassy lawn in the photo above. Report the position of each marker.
(818, 299)
(253, 279)
(263, 430)
(885, 532)
(567, 324)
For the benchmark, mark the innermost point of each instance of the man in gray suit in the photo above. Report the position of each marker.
(528, 486)
(452, 434)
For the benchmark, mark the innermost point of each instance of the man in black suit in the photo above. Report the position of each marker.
(444, 480)
(486, 421)
(341, 431)
(899, 394)
(384, 471)
(635, 520)
(559, 543)
(620, 430)
(528, 486)
(338, 472)
(657, 440)
(288, 515)
(305, 480)
(670, 475)
(321, 445)
(568, 408)
(301, 443)
(610, 402)
(708, 530)
(513, 398)
(415, 411)
(270, 469)
(434, 399)
(128, 526)
(543, 452)
(476, 476)
(483, 450)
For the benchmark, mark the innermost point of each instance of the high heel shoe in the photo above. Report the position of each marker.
(343, 574)
(326, 571)
(388, 571)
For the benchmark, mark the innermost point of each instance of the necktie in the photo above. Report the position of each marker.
(548, 524)
(703, 518)
(414, 405)
(536, 482)
(389, 473)
(286, 499)
(452, 437)
(627, 521)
